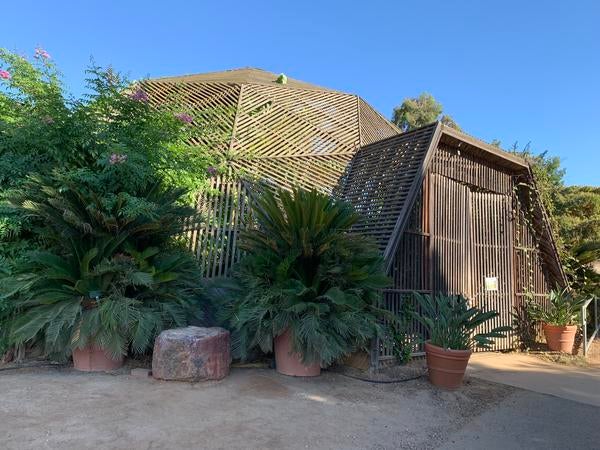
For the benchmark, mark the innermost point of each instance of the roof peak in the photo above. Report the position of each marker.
(241, 75)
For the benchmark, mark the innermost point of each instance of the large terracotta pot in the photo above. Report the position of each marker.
(446, 367)
(94, 359)
(289, 363)
(560, 338)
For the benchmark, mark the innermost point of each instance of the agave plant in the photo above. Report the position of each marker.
(304, 271)
(451, 323)
(112, 276)
(563, 309)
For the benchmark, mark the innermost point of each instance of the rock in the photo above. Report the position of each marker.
(191, 354)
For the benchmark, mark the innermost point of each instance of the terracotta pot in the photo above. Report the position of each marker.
(446, 367)
(290, 363)
(94, 359)
(560, 338)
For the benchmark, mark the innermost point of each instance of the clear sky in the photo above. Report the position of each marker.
(510, 70)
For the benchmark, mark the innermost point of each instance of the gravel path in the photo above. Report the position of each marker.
(252, 408)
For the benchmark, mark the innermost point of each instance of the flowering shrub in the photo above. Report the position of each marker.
(115, 147)
(112, 139)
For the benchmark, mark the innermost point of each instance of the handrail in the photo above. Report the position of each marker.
(587, 342)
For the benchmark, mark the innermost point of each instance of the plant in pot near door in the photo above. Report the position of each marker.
(560, 319)
(451, 324)
(306, 288)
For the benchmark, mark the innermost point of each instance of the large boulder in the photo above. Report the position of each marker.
(192, 354)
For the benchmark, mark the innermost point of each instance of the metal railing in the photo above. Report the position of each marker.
(587, 341)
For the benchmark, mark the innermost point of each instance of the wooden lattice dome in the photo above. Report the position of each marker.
(285, 134)
(292, 133)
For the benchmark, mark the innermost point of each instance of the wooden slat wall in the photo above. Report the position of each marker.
(450, 235)
(410, 270)
(225, 211)
(492, 255)
(467, 225)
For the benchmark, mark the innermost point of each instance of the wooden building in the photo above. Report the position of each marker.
(450, 213)
(282, 134)
(455, 215)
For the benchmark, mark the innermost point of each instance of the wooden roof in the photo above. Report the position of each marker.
(383, 179)
(244, 75)
(288, 134)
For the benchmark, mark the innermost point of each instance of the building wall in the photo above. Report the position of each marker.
(467, 225)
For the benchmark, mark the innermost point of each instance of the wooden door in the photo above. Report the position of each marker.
(472, 248)
(492, 286)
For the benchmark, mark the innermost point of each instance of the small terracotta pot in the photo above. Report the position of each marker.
(560, 338)
(290, 363)
(446, 367)
(94, 359)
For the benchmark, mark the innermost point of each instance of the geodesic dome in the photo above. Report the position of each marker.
(286, 134)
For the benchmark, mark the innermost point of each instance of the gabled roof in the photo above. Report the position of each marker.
(384, 178)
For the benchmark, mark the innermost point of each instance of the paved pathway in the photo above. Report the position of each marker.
(532, 373)
(530, 421)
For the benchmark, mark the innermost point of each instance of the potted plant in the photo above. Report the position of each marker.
(560, 319)
(451, 324)
(307, 288)
(111, 281)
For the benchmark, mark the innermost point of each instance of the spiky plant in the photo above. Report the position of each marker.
(451, 323)
(563, 309)
(112, 277)
(306, 272)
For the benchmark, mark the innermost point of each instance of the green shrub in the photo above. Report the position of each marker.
(563, 309)
(111, 140)
(113, 278)
(304, 271)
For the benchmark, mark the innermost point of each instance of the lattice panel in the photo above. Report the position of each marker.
(380, 178)
(212, 105)
(320, 172)
(373, 127)
(225, 212)
(273, 122)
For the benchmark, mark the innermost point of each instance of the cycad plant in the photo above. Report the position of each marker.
(563, 309)
(304, 271)
(451, 323)
(113, 276)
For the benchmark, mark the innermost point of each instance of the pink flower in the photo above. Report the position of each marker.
(4, 75)
(139, 95)
(115, 158)
(211, 171)
(185, 118)
(41, 53)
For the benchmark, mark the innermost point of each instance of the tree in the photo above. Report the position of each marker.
(575, 218)
(420, 111)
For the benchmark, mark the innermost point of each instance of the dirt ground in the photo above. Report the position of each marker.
(258, 408)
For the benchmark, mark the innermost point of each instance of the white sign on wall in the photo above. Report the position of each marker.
(491, 283)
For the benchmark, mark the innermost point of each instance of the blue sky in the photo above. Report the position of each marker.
(511, 70)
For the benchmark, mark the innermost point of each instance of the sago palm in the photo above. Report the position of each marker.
(304, 271)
